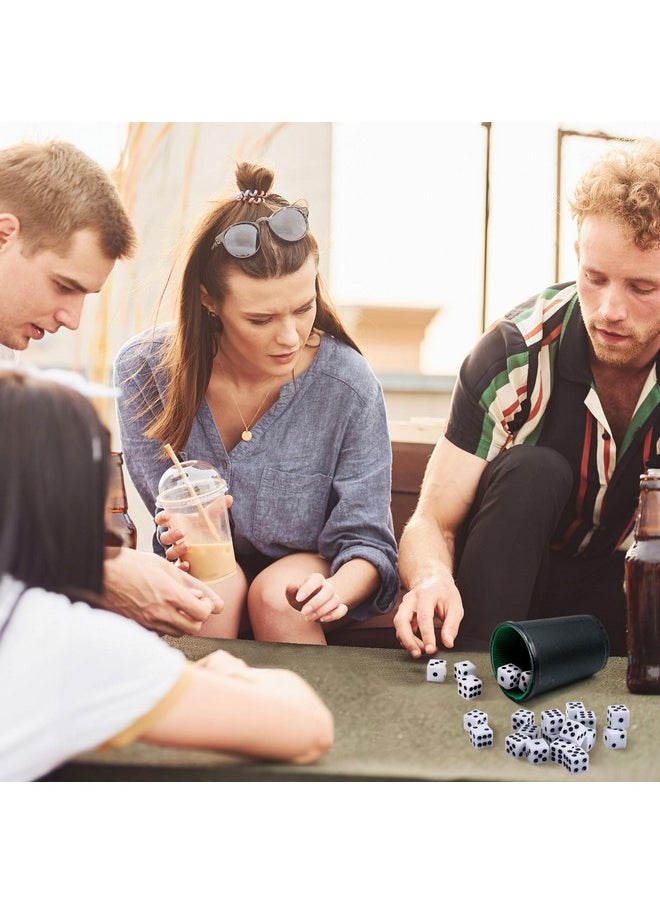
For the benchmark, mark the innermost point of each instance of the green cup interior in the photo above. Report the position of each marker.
(508, 645)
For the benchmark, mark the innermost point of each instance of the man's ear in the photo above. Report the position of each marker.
(9, 227)
(577, 249)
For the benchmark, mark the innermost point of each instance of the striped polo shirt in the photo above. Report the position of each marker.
(528, 381)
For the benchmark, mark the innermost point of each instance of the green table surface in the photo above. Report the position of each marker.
(391, 724)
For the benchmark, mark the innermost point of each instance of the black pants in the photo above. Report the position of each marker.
(505, 568)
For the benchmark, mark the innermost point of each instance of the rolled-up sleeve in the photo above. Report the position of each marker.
(360, 522)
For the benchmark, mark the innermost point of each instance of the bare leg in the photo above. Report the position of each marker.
(272, 616)
(234, 593)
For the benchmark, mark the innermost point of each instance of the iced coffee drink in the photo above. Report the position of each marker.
(211, 562)
(192, 494)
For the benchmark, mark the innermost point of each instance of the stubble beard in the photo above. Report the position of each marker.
(622, 356)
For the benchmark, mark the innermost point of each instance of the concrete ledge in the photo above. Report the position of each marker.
(416, 430)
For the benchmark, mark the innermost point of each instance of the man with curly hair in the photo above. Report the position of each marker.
(528, 502)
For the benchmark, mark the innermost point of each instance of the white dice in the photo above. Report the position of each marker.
(436, 670)
(508, 676)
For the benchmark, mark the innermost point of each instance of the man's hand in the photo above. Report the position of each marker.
(146, 588)
(413, 621)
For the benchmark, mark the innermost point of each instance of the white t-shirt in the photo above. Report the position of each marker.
(72, 678)
(7, 354)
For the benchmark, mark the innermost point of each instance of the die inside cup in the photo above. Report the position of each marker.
(508, 647)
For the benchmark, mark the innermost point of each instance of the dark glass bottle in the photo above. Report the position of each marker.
(642, 583)
(120, 530)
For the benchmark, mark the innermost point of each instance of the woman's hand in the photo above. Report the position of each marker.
(317, 599)
(173, 540)
(223, 663)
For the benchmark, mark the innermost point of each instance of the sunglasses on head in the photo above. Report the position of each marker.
(242, 239)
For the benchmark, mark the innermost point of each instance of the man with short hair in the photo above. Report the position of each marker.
(62, 228)
(528, 502)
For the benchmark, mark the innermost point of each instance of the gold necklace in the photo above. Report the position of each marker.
(246, 435)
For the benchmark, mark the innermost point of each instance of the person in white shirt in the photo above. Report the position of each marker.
(62, 228)
(74, 676)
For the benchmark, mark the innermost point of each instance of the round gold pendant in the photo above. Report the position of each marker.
(246, 435)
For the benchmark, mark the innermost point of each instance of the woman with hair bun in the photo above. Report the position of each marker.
(259, 377)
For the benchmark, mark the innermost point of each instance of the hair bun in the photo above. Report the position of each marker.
(254, 180)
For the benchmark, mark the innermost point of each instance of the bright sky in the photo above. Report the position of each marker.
(101, 140)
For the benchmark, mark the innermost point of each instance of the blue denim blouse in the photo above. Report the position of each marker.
(316, 475)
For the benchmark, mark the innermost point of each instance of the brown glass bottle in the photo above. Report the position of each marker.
(120, 530)
(642, 583)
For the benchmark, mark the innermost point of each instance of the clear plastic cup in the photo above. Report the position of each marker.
(193, 497)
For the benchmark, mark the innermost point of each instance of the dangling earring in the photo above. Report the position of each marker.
(314, 338)
(216, 323)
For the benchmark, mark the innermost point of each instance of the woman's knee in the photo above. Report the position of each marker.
(268, 590)
(233, 592)
(265, 593)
